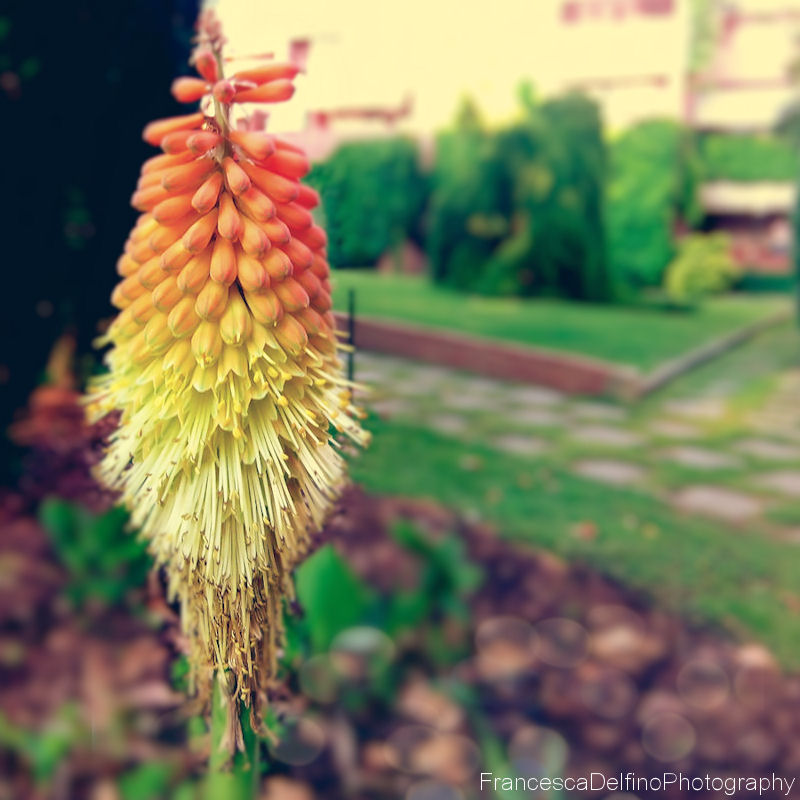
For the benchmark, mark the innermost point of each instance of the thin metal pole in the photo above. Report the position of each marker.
(351, 334)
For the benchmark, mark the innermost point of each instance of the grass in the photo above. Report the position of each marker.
(638, 336)
(737, 579)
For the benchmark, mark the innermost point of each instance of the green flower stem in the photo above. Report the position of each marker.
(233, 777)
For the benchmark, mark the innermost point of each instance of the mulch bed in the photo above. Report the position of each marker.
(568, 671)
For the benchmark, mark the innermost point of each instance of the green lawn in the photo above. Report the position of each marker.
(737, 579)
(637, 336)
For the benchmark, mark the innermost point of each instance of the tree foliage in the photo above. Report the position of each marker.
(653, 187)
(373, 193)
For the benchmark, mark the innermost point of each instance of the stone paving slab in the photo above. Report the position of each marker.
(769, 450)
(718, 502)
(467, 401)
(785, 482)
(672, 429)
(519, 445)
(706, 408)
(599, 411)
(535, 395)
(536, 417)
(606, 436)
(700, 458)
(616, 473)
(390, 406)
(449, 424)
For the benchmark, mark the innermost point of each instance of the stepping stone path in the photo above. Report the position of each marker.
(718, 502)
(606, 436)
(785, 482)
(769, 450)
(451, 402)
(616, 473)
(700, 458)
(519, 445)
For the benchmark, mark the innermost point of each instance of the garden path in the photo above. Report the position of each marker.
(725, 445)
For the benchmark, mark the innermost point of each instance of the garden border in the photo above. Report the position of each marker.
(573, 374)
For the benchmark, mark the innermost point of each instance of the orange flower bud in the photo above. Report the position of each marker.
(202, 142)
(156, 131)
(173, 208)
(292, 295)
(251, 274)
(256, 205)
(183, 319)
(193, 276)
(205, 198)
(298, 253)
(174, 143)
(277, 231)
(272, 92)
(206, 343)
(167, 294)
(161, 163)
(280, 189)
(255, 145)
(212, 300)
(224, 92)
(223, 261)
(146, 199)
(295, 216)
(142, 309)
(313, 322)
(174, 257)
(277, 265)
(200, 233)
(288, 163)
(150, 274)
(320, 267)
(310, 282)
(236, 323)
(254, 240)
(264, 305)
(307, 197)
(189, 90)
(314, 238)
(187, 176)
(235, 177)
(230, 223)
(269, 72)
(291, 335)
(206, 64)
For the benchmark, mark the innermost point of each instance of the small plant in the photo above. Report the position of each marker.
(703, 266)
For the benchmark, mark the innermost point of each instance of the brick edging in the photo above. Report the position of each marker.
(495, 359)
(508, 361)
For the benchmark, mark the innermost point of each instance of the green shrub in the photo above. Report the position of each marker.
(748, 157)
(373, 193)
(653, 186)
(520, 211)
(704, 265)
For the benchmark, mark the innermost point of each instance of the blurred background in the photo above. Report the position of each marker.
(563, 235)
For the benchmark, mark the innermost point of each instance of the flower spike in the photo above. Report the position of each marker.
(224, 371)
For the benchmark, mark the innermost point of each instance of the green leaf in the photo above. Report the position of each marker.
(331, 594)
(146, 782)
